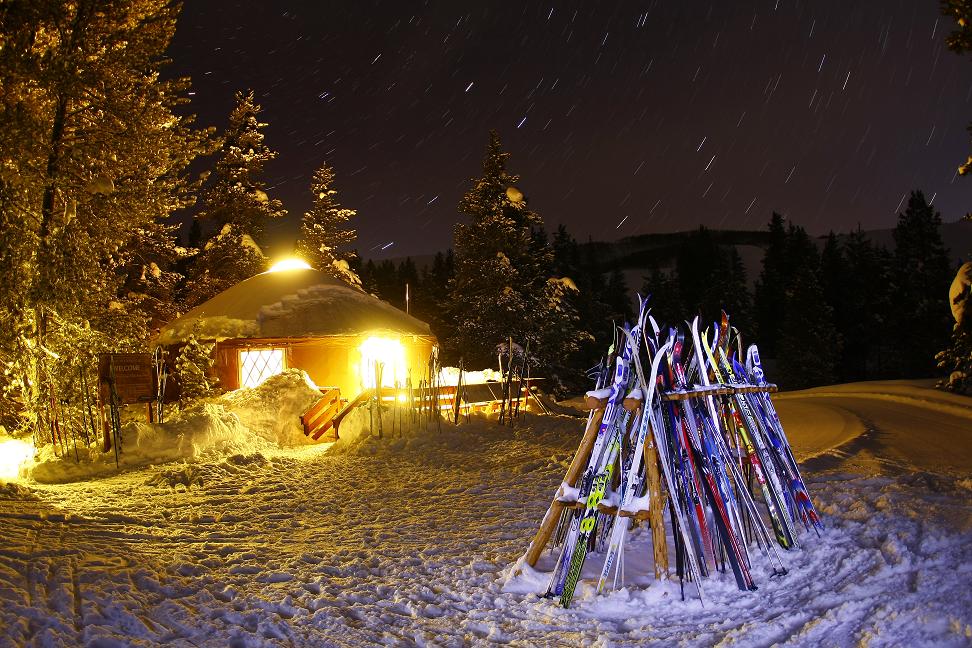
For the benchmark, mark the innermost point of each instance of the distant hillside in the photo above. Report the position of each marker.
(635, 255)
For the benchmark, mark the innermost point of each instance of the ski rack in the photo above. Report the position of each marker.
(562, 501)
(697, 392)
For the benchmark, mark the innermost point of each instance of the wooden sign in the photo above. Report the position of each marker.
(134, 376)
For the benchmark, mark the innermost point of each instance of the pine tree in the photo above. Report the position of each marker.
(192, 367)
(834, 282)
(325, 233)
(869, 337)
(237, 207)
(501, 288)
(238, 195)
(771, 288)
(808, 342)
(960, 42)
(617, 298)
(92, 151)
(921, 277)
(150, 266)
(956, 360)
(661, 288)
(712, 278)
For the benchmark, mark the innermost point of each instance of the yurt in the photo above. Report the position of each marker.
(303, 318)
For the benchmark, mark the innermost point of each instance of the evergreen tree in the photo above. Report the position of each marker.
(225, 260)
(192, 367)
(790, 252)
(92, 152)
(238, 194)
(662, 289)
(408, 280)
(711, 278)
(921, 276)
(325, 232)
(733, 285)
(369, 277)
(834, 282)
(808, 342)
(150, 266)
(237, 206)
(501, 287)
(430, 298)
(617, 298)
(864, 323)
(960, 42)
(771, 288)
(956, 360)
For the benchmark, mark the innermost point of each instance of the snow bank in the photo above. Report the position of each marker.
(247, 421)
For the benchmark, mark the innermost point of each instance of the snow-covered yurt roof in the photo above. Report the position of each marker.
(290, 303)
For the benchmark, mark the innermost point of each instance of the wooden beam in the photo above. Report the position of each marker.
(575, 470)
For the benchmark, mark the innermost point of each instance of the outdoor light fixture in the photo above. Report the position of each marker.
(292, 263)
(13, 454)
(388, 352)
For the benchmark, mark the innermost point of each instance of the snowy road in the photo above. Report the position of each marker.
(405, 542)
(887, 427)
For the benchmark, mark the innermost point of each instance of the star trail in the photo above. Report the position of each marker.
(621, 117)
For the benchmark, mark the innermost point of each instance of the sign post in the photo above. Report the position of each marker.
(131, 376)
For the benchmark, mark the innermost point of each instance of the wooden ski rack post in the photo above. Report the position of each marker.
(575, 470)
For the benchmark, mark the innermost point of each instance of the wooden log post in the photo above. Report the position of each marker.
(656, 510)
(575, 470)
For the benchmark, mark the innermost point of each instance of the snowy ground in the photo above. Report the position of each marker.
(409, 540)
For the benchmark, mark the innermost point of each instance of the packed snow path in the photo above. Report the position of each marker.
(406, 542)
(884, 427)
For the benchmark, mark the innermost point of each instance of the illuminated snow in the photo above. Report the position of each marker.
(409, 540)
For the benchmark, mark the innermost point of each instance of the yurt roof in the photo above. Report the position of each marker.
(290, 303)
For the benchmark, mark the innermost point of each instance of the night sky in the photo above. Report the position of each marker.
(622, 117)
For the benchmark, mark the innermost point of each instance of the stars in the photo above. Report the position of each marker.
(600, 113)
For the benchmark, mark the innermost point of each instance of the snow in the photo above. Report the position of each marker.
(959, 290)
(289, 303)
(251, 539)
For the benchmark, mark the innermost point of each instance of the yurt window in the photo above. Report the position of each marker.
(256, 365)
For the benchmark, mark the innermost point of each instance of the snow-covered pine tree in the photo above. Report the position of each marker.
(501, 288)
(192, 366)
(150, 265)
(237, 206)
(92, 149)
(238, 194)
(921, 274)
(956, 360)
(325, 231)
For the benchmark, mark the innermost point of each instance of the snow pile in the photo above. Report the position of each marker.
(450, 376)
(247, 421)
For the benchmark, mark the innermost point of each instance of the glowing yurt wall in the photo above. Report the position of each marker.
(302, 318)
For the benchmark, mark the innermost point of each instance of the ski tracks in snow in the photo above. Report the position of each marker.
(408, 542)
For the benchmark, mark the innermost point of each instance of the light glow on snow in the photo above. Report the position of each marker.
(13, 454)
(388, 352)
(290, 264)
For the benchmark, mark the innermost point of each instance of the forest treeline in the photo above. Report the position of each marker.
(836, 309)
(97, 159)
